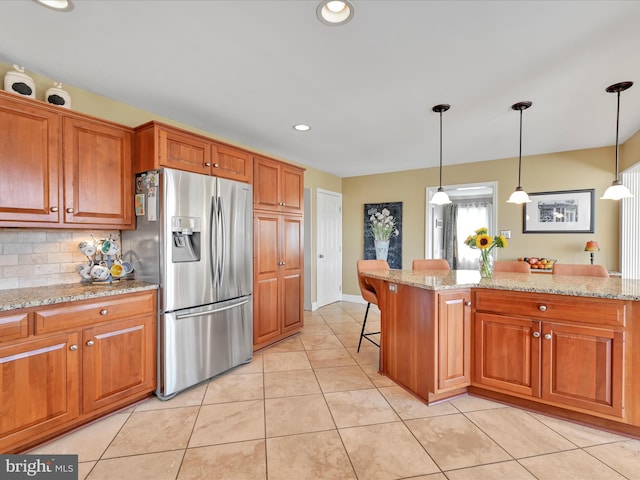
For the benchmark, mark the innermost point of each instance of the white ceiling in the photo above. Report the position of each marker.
(247, 71)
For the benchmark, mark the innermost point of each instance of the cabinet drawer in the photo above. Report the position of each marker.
(584, 310)
(14, 325)
(89, 312)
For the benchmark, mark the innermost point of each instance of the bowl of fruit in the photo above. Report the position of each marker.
(539, 263)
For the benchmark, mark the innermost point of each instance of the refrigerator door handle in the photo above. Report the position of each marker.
(223, 242)
(212, 251)
(215, 310)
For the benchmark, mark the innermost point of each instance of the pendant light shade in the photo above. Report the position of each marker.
(440, 197)
(519, 195)
(617, 190)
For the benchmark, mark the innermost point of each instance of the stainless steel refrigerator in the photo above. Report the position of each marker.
(194, 238)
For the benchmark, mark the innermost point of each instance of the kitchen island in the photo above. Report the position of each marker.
(562, 345)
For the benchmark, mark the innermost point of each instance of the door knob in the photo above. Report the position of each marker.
(321, 256)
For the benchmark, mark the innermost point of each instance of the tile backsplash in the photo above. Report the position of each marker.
(33, 258)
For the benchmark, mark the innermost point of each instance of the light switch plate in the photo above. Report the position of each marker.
(506, 233)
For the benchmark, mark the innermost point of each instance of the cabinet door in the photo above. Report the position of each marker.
(291, 272)
(266, 299)
(98, 181)
(39, 388)
(266, 184)
(507, 353)
(29, 164)
(232, 163)
(454, 340)
(582, 367)
(118, 361)
(292, 190)
(184, 152)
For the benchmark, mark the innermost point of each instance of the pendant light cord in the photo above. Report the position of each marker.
(441, 150)
(617, 127)
(520, 154)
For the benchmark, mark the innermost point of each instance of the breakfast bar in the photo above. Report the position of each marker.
(561, 345)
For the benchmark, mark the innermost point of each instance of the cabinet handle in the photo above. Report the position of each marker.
(69, 210)
(536, 334)
(54, 209)
(542, 308)
(468, 303)
(90, 343)
(73, 348)
(207, 164)
(547, 336)
(104, 311)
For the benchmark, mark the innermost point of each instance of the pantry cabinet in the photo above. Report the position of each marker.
(159, 145)
(62, 169)
(278, 277)
(564, 351)
(79, 360)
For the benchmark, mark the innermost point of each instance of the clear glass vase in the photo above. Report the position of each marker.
(486, 266)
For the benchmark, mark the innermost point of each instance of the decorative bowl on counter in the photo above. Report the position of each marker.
(539, 263)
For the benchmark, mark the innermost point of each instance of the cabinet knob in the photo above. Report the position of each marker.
(54, 209)
(542, 308)
(104, 311)
(547, 336)
(73, 348)
(207, 164)
(468, 303)
(69, 210)
(216, 165)
(536, 334)
(90, 343)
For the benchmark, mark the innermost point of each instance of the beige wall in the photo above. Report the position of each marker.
(629, 152)
(573, 170)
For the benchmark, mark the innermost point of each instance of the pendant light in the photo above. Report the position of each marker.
(519, 195)
(617, 190)
(440, 197)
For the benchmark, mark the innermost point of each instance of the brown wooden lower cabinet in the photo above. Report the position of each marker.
(55, 381)
(426, 340)
(540, 354)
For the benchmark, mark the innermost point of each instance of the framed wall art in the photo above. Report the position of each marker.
(383, 232)
(568, 211)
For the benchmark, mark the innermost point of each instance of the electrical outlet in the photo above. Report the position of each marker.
(506, 233)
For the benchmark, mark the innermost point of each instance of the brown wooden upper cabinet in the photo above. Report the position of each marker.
(62, 169)
(278, 186)
(159, 145)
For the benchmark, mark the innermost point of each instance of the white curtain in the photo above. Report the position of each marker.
(471, 216)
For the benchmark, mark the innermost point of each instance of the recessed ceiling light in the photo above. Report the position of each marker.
(59, 5)
(334, 12)
(301, 127)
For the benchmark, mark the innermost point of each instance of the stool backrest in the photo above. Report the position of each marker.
(368, 266)
(511, 266)
(430, 264)
(580, 269)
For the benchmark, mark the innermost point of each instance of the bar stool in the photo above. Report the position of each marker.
(580, 269)
(430, 264)
(511, 266)
(368, 293)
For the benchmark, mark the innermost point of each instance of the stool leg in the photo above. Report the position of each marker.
(364, 323)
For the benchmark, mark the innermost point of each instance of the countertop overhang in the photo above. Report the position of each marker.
(614, 288)
(18, 298)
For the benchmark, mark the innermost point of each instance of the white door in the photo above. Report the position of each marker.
(329, 251)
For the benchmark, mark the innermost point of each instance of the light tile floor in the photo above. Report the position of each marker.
(311, 407)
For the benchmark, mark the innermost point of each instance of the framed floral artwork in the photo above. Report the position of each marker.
(383, 232)
(569, 211)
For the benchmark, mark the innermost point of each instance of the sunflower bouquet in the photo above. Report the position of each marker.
(485, 243)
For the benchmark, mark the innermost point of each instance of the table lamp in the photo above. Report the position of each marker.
(591, 246)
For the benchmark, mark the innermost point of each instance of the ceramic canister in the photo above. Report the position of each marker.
(56, 96)
(20, 83)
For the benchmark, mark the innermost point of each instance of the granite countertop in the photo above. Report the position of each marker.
(48, 295)
(615, 288)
